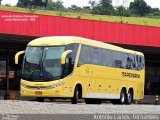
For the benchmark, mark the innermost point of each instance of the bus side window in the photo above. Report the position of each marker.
(85, 57)
(106, 57)
(140, 62)
(96, 56)
(130, 62)
(117, 59)
(74, 48)
(134, 62)
(143, 63)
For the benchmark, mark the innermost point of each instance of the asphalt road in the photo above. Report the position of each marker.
(63, 110)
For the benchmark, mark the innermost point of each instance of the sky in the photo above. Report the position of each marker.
(81, 3)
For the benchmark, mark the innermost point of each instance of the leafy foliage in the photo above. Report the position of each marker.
(75, 8)
(122, 11)
(55, 5)
(23, 3)
(153, 21)
(139, 8)
(32, 3)
(102, 7)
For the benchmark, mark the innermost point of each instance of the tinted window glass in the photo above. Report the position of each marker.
(139, 62)
(70, 60)
(96, 56)
(129, 61)
(117, 59)
(74, 48)
(52, 61)
(133, 62)
(143, 62)
(106, 57)
(85, 55)
(124, 60)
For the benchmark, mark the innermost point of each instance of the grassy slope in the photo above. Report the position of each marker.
(130, 20)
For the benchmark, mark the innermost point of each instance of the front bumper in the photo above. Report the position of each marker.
(55, 92)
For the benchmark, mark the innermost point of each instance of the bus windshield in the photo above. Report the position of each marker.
(42, 63)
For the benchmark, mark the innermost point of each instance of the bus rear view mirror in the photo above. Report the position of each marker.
(17, 56)
(64, 55)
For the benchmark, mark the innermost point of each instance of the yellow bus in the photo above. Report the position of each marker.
(80, 68)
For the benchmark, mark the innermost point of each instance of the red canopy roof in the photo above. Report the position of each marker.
(44, 25)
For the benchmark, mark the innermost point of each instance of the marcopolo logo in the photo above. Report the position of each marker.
(130, 75)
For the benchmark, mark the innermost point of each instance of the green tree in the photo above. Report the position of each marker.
(155, 10)
(59, 5)
(55, 5)
(0, 2)
(39, 3)
(106, 3)
(155, 13)
(104, 7)
(32, 3)
(139, 8)
(85, 9)
(23, 3)
(92, 3)
(122, 11)
(97, 10)
(75, 8)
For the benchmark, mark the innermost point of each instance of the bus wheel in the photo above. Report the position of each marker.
(75, 98)
(40, 99)
(122, 97)
(129, 97)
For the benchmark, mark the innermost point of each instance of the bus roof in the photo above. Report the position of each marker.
(63, 40)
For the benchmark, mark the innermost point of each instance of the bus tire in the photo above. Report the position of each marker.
(129, 97)
(75, 98)
(40, 99)
(122, 99)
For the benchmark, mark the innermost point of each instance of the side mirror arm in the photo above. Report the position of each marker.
(64, 55)
(63, 60)
(17, 56)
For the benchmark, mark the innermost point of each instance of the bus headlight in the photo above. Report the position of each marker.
(57, 85)
(23, 85)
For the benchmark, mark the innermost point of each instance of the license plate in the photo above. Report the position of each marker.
(38, 92)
